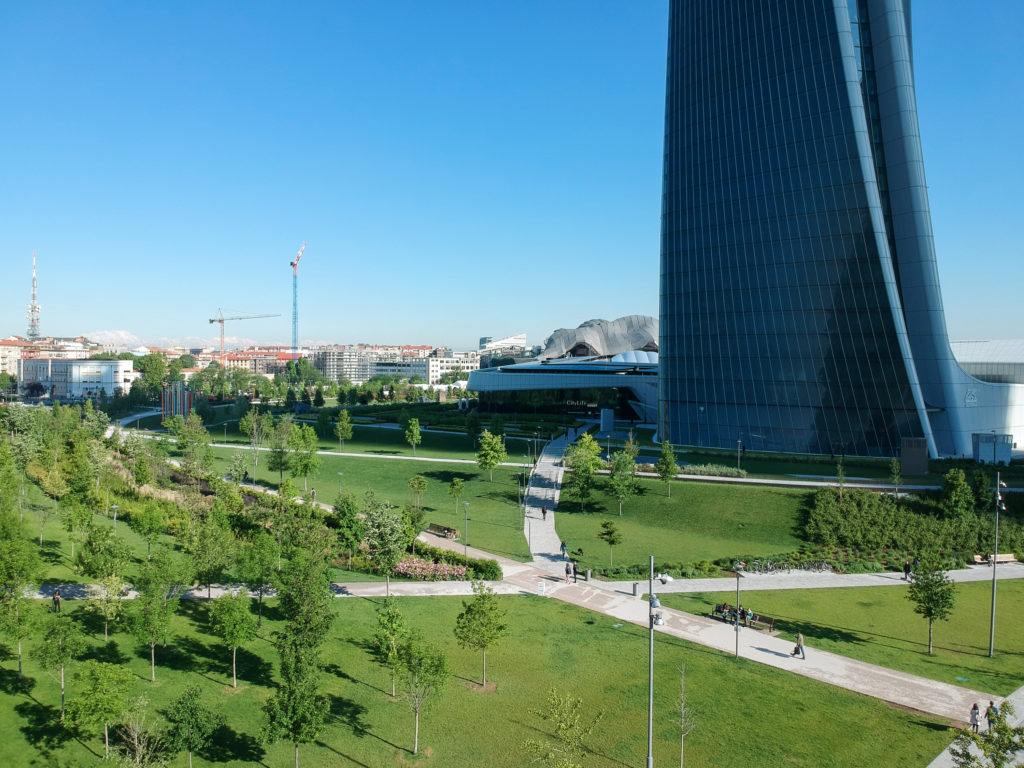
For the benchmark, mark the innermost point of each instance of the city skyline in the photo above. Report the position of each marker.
(167, 164)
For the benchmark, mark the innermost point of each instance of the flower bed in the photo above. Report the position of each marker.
(424, 570)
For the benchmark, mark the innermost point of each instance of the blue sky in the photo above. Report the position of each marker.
(458, 168)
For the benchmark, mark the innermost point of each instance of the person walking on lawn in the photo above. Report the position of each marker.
(56, 600)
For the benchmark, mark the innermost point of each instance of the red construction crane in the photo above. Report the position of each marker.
(221, 319)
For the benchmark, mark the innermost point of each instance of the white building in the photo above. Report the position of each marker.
(74, 379)
(10, 355)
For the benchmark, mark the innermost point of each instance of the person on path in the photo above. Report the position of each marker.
(568, 572)
(975, 717)
(56, 601)
(906, 570)
(544, 513)
(991, 713)
(917, 564)
(799, 646)
(563, 549)
(575, 572)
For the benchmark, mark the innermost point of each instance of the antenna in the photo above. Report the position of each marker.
(33, 308)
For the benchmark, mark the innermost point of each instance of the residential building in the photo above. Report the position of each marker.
(74, 379)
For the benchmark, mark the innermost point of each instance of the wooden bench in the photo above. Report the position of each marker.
(1004, 558)
(762, 622)
(443, 530)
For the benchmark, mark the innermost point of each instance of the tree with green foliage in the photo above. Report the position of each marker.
(666, 467)
(391, 631)
(289, 399)
(20, 568)
(297, 709)
(257, 427)
(957, 496)
(234, 623)
(192, 724)
(303, 443)
(148, 618)
(106, 600)
(212, 548)
(983, 490)
(280, 459)
(103, 554)
(481, 623)
(472, 424)
(386, 537)
(583, 459)
(497, 425)
(564, 718)
(418, 486)
(997, 747)
(343, 429)
(304, 396)
(149, 521)
(456, 489)
(304, 597)
(318, 397)
(193, 441)
(256, 562)
(423, 672)
(413, 436)
(491, 453)
(62, 643)
(610, 535)
(933, 594)
(103, 698)
(896, 475)
(77, 518)
(622, 480)
(347, 524)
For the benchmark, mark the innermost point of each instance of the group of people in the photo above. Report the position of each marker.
(909, 571)
(991, 712)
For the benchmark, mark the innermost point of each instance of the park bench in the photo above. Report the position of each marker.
(1002, 558)
(443, 531)
(762, 622)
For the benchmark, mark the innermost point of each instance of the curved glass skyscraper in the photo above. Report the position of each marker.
(800, 304)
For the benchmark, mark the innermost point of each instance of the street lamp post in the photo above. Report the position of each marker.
(736, 568)
(995, 561)
(465, 536)
(115, 508)
(654, 619)
(340, 476)
(739, 445)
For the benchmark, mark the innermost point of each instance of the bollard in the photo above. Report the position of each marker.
(636, 589)
(586, 575)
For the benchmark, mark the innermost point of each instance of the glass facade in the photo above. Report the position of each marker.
(781, 314)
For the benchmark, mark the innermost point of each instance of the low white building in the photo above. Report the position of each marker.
(10, 354)
(74, 379)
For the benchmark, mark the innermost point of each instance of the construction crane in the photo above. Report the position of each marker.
(295, 302)
(221, 319)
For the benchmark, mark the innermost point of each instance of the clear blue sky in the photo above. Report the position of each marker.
(458, 168)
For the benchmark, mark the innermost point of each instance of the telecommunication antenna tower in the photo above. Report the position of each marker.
(295, 302)
(33, 308)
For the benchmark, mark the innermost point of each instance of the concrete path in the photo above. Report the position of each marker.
(543, 491)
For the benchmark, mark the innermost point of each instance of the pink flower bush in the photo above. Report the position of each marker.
(424, 570)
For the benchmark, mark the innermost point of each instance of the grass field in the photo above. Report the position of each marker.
(878, 625)
(701, 521)
(747, 714)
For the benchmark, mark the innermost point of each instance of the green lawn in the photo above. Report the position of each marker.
(701, 521)
(878, 625)
(495, 520)
(747, 714)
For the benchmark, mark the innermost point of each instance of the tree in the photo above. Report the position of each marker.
(472, 425)
(896, 475)
(423, 671)
(257, 427)
(234, 623)
(77, 518)
(622, 480)
(212, 549)
(998, 745)
(492, 452)
(957, 496)
(296, 710)
(304, 460)
(142, 746)
(564, 717)
(666, 467)
(481, 623)
(20, 568)
(418, 486)
(456, 490)
(304, 596)
(347, 523)
(841, 476)
(933, 594)
(105, 600)
(687, 721)
(104, 697)
(193, 443)
(611, 536)
(103, 554)
(238, 466)
(391, 630)
(343, 429)
(256, 561)
(584, 459)
(148, 620)
(386, 537)
(318, 397)
(412, 434)
(192, 724)
(63, 641)
(149, 521)
(280, 460)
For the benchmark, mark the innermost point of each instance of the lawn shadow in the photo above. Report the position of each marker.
(340, 754)
(251, 667)
(348, 713)
(198, 612)
(50, 552)
(385, 453)
(109, 653)
(446, 476)
(337, 671)
(11, 684)
(228, 744)
(42, 727)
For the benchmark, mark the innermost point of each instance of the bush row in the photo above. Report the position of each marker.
(488, 570)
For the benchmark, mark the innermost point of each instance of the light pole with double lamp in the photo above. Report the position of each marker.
(465, 535)
(115, 507)
(736, 568)
(995, 561)
(654, 619)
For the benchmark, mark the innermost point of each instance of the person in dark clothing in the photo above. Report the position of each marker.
(575, 571)
(56, 601)
(906, 571)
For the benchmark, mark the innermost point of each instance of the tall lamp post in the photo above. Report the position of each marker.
(995, 561)
(115, 508)
(465, 536)
(340, 475)
(654, 619)
(736, 568)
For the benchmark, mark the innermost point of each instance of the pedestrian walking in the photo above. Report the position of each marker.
(568, 572)
(917, 564)
(975, 717)
(563, 549)
(575, 571)
(991, 713)
(906, 570)
(544, 513)
(799, 646)
(56, 601)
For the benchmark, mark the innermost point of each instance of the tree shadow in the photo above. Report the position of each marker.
(42, 727)
(251, 667)
(198, 612)
(109, 653)
(349, 713)
(227, 744)
(50, 552)
(11, 684)
(383, 452)
(446, 476)
(337, 671)
(340, 754)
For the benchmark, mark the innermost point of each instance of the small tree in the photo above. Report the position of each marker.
(149, 521)
(391, 630)
(564, 718)
(63, 641)
(343, 429)
(957, 496)
(933, 594)
(386, 537)
(212, 549)
(304, 460)
(412, 434)
(622, 480)
(418, 486)
(142, 745)
(77, 518)
(896, 475)
(841, 476)
(256, 563)
(666, 467)
(103, 554)
(192, 724)
(492, 452)
(318, 397)
(280, 460)
(148, 619)
(234, 623)
(105, 600)
(423, 670)
(20, 567)
(481, 623)
(104, 697)
(611, 536)
(347, 523)
(584, 459)
(257, 427)
(456, 490)
(998, 745)
(296, 711)
(687, 721)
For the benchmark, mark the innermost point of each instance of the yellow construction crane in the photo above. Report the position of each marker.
(221, 319)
